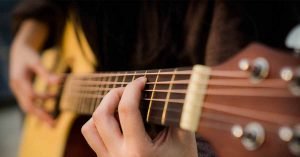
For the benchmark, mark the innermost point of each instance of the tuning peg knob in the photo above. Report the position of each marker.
(294, 86)
(259, 69)
(252, 136)
(294, 144)
(292, 136)
(293, 40)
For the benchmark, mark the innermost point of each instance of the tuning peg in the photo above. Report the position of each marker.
(260, 69)
(292, 136)
(294, 144)
(294, 86)
(252, 136)
(293, 40)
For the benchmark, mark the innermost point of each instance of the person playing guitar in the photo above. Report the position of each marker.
(138, 35)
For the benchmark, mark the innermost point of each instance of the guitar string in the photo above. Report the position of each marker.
(97, 96)
(213, 121)
(223, 119)
(84, 86)
(88, 86)
(270, 83)
(150, 74)
(219, 73)
(207, 124)
(209, 106)
(265, 116)
(210, 91)
(210, 118)
(181, 101)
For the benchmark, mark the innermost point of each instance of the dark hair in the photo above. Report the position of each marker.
(153, 33)
(145, 34)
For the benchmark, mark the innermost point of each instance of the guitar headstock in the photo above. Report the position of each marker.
(252, 105)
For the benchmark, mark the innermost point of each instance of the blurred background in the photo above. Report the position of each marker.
(10, 115)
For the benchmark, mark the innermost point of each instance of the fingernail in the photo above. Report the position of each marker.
(142, 79)
(51, 124)
(53, 78)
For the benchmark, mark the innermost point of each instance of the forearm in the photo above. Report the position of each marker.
(31, 34)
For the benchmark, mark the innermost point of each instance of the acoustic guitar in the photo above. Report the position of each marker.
(248, 106)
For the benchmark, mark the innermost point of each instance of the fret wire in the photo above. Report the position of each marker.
(133, 76)
(116, 79)
(96, 100)
(91, 101)
(100, 91)
(152, 94)
(163, 120)
(78, 98)
(70, 93)
(103, 92)
(87, 102)
(84, 98)
(91, 105)
(102, 86)
(123, 79)
(79, 102)
(108, 85)
(66, 100)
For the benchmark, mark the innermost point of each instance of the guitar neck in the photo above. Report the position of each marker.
(245, 103)
(162, 101)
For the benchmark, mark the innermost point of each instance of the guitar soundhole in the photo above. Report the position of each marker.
(76, 144)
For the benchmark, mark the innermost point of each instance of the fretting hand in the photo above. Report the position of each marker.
(103, 131)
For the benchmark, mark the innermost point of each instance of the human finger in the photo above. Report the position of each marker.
(105, 121)
(40, 70)
(91, 135)
(129, 113)
(183, 139)
(26, 96)
(43, 115)
(44, 96)
(182, 135)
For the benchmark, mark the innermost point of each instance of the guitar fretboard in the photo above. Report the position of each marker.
(162, 99)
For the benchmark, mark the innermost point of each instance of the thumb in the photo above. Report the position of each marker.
(40, 70)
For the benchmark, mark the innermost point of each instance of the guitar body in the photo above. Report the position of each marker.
(41, 140)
